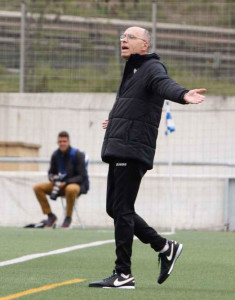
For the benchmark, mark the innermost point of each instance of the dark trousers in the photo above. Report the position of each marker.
(124, 179)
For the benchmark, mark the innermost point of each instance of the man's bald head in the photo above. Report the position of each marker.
(135, 40)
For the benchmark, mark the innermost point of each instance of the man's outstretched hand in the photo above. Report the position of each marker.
(194, 96)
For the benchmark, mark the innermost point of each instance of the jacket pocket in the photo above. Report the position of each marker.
(144, 133)
(118, 129)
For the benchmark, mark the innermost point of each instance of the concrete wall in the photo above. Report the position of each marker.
(204, 133)
(196, 203)
(39, 117)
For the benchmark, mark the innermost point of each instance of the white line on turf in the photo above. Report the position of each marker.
(58, 251)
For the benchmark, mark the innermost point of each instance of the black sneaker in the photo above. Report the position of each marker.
(168, 260)
(67, 222)
(115, 281)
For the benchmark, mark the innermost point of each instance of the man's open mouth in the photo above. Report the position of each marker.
(125, 48)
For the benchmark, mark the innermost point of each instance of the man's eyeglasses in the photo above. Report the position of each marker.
(130, 37)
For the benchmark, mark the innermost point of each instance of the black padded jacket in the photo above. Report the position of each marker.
(134, 119)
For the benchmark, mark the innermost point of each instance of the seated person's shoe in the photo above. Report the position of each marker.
(115, 281)
(67, 222)
(51, 221)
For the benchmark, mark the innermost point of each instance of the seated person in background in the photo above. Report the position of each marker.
(68, 176)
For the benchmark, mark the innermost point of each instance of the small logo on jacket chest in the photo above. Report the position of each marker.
(121, 164)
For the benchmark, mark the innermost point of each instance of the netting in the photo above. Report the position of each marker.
(72, 46)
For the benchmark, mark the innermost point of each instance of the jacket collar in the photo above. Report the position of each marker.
(67, 152)
(136, 60)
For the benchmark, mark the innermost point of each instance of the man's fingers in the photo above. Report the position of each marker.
(105, 124)
(201, 98)
(200, 90)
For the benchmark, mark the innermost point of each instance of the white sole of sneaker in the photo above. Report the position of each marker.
(176, 256)
(120, 287)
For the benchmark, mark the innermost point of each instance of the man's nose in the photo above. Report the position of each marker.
(123, 43)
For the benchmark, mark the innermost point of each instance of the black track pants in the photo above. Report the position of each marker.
(124, 179)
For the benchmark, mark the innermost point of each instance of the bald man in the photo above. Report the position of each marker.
(129, 149)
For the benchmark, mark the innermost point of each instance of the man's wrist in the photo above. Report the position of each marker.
(184, 95)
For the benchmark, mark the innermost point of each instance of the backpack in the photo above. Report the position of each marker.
(73, 152)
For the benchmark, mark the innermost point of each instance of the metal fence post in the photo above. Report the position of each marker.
(226, 204)
(231, 204)
(154, 24)
(22, 47)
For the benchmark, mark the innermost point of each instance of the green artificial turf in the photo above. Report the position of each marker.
(205, 270)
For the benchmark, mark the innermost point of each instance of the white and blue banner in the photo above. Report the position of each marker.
(170, 125)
